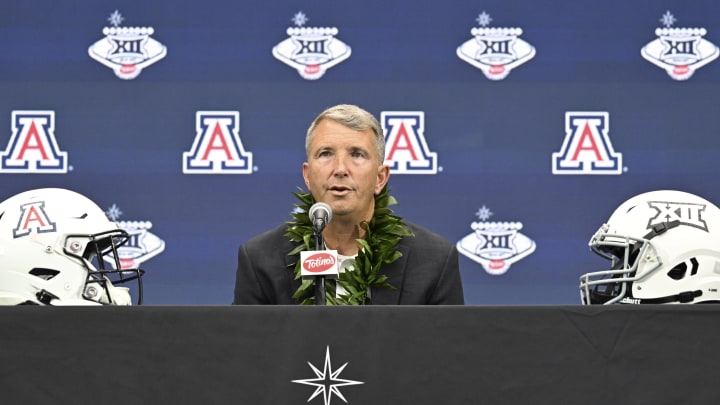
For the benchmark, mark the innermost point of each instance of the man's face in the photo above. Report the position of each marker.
(344, 169)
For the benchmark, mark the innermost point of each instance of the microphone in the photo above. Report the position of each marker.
(320, 263)
(320, 215)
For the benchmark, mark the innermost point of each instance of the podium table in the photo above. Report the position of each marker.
(363, 355)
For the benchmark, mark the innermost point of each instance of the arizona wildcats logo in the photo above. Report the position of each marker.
(32, 147)
(586, 148)
(406, 151)
(217, 148)
(33, 217)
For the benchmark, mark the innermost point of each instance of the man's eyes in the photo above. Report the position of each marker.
(355, 154)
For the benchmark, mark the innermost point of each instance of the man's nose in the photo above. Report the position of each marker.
(340, 166)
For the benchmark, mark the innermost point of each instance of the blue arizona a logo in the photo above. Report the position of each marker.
(586, 148)
(33, 217)
(32, 147)
(217, 148)
(406, 151)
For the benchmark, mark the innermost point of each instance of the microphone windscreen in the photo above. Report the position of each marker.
(316, 211)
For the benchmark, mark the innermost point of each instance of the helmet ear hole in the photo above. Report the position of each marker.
(678, 272)
(45, 274)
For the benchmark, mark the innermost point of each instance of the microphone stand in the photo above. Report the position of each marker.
(320, 298)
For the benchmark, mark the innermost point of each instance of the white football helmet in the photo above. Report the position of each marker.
(664, 247)
(54, 248)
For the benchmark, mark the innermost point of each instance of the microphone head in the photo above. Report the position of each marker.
(320, 210)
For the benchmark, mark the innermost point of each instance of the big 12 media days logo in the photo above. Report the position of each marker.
(495, 245)
(311, 50)
(126, 50)
(679, 51)
(142, 246)
(495, 51)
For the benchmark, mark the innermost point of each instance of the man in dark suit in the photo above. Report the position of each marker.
(345, 149)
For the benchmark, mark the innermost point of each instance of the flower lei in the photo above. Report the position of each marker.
(382, 235)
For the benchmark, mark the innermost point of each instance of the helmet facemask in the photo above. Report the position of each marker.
(625, 255)
(99, 255)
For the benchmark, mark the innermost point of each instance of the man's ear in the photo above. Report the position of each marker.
(305, 175)
(383, 177)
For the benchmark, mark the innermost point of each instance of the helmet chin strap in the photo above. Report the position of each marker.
(683, 298)
(661, 228)
(46, 297)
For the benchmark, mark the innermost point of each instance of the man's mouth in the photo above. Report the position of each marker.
(340, 189)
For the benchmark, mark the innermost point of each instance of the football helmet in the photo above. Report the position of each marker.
(57, 247)
(663, 246)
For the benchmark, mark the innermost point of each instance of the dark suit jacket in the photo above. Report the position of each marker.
(427, 272)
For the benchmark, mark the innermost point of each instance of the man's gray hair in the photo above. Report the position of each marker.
(354, 118)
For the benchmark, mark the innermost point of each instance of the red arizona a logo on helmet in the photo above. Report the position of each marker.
(33, 217)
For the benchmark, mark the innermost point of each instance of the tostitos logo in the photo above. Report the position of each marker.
(319, 262)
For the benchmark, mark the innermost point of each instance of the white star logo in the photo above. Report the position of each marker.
(483, 19)
(300, 19)
(115, 18)
(327, 381)
(668, 19)
(113, 213)
(484, 213)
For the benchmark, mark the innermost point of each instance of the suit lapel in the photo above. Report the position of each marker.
(396, 277)
(293, 284)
